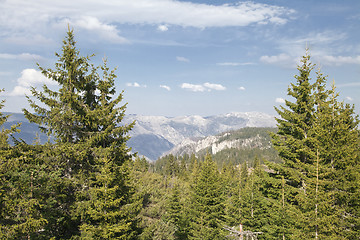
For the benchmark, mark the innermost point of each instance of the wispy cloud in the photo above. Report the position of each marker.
(235, 64)
(165, 87)
(338, 60)
(29, 77)
(326, 48)
(103, 30)
(22, 56)
(39, 15)
(182, 59)
(203, 87)
(214, 86)
(242, 88)
(282, 59)
(136, 85)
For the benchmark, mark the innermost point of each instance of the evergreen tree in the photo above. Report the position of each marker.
(175, 213)
(207, 203)
(86, 121)
(312, 140)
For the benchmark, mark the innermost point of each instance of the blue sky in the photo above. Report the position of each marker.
(185, 57)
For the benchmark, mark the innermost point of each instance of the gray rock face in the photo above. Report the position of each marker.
(178, 131)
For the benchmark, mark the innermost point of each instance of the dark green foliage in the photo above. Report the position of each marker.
(90, 150)
(176, 213)
(207, 202)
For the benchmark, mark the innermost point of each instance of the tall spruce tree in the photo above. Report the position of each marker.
(311, 140)
(207, 202)
(84, 117)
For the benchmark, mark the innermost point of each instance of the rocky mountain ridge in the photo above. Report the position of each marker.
(215, 144)
(175, 132)
(153, 136)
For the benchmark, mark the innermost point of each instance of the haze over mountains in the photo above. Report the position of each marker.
(153, 136)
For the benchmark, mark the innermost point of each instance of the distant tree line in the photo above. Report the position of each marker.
(87, 184)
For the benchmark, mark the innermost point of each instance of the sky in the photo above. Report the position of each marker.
(193, 57)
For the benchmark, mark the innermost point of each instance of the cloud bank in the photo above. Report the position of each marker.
(39, 16)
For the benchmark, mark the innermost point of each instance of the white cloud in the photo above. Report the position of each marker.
(282, 59)
(338, 60)
(182, 59)
(193, 87)
(22, 56)
(162, 28)
(275, 59)
(280, 100)
(214, 86)
(325, 43)
(325, 48)
(19, 91)
(286, 60)
(44, 15)
(136, 85)
(324, 37)
(105, 31)
(234, 64)
(349, 98)
(203, 87)
(165, 87)
(29, 77)
(241, 88)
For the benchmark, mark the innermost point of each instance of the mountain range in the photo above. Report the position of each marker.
(152, 136)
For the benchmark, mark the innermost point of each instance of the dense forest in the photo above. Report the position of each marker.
(86, 184)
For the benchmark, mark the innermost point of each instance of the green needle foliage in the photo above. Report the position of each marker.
(84, 117)
(318, 140)
(207, 202)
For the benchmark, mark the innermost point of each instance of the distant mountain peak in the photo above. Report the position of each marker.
(182, 129)
(154, 135)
